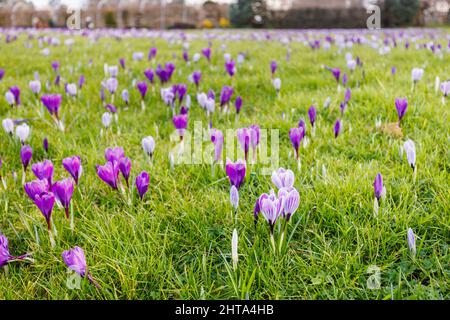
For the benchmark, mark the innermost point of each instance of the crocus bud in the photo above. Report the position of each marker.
(416, 74)
(234, 249)
(63, 191)
(234, 197)
(45, 144)
(106, 119)
(9, 98)
(277, 84)
(35, 86)
(410, 150)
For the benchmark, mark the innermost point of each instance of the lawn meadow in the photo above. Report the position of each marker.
(176, 242)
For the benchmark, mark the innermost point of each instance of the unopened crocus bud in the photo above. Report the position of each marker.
(142, 182)
(238, 104)
(412, 241)
(23, 132)
(45, 144)
(35, 86)
(106, 119)
(8, 126)
(234, 197)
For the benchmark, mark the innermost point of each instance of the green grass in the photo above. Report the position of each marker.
(177, 242)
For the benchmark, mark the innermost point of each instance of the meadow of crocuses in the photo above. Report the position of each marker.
(353, 202)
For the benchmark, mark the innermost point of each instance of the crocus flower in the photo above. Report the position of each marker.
(243, 135)
(71, 89)
(312, 115)
(378, 186)
(271, 208)
(45, 202)
(73, 166)
(411, 241)
(22, 132)
(445, 88)
(351, 64)
(125, 96)
(111, 108)
(347, 95)
(109, 173)
(230, 67)
(152, 53)
(291, 199)
(277, 84)
(5, 256)
(63, 191)
(336, 73)
(35, 86)
(207, 53)
(296, 135)
(81, 80)
(57, 80)
(76, 261)
(337, 128)
(125, 168)
(55, 65)
(236, 172)
(122, 63)
(25, 155)
(43, 170)
(185, 56)
(142, 87)
(283, 178)
(8, 126)
(2, 73)
(9, 96)
(238, 104)
(36, 187)
(45, 145)
(393, 70)
(111, 85)
(254, 136)
(401, 104)
(410, 149)
(150, 75)
(344, 79)
(217, 140)
(16, 93)
(106, 119)
(52, 102)
(114, 154)
(196, 77)
(142, 182)
(180, 123)
(148, 144)
(225, 95)
(273, 66)
(416, 74)
(234, 197)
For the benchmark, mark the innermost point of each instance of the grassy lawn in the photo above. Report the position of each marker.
(176, 242)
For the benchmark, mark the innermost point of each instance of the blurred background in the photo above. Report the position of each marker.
(181, 14)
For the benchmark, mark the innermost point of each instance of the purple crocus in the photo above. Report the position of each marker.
(109, 173)
(336, 73)
(111, 85)
(347, 95)
(142, 87)
(114, 154)
(36, 187)
(312, 115)
(45, 144)
(337, 128)
(63, 191)
(273, 67)
(150, 75)
(207, 53)
(185, 56)
(111, 108)
(238, 104)
(81, 80)
(217, 140)
(73, 166)
(5, 256)
(125, 168)
(52, 102)
(225, 95)
(255, 134)
(76, 261)
(344, 79)
(26, 153)
(296, 135)
(236, 172)
(16, 93)
(152, 53)
(378, 186)
(2, 74)
(393, 70)
(271, 208)
(43, 170)
(45, 202)
(230, 67)
(142, 182)
(196, 77)
(401, 104)
(243, 135)
(55, 65)
(180, 123)
(291, 199)
(122, 63)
